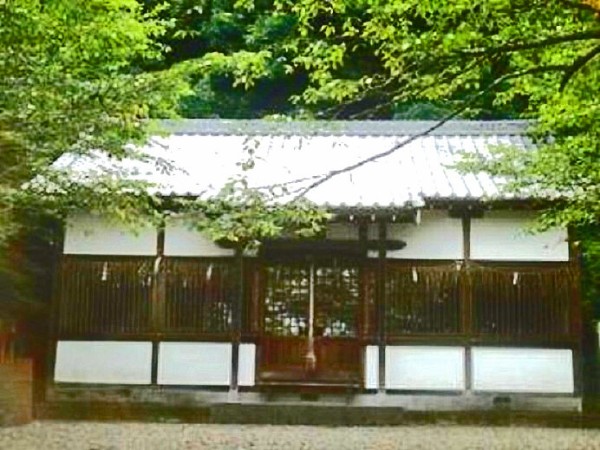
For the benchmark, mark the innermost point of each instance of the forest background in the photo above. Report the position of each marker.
(78, 76)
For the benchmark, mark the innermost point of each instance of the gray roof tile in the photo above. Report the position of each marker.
(208, 153)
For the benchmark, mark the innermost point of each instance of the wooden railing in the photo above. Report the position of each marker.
(199, 296)
(521, 302)
(105, 295)
(422, 300)
(140, 296)
(509, 302)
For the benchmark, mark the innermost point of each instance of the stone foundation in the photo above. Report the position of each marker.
(178, 397)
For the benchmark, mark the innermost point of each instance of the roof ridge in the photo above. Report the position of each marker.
(258, 127)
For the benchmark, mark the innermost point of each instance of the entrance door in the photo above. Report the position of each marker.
(310, 322)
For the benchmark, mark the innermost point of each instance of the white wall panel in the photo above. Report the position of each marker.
(247, 365)
(105, 362)
(371, 367)
(503, 235)
(194, 363)
(522, 370)
(181, 240)
(94, 235)
(424, 368)
(436, 237)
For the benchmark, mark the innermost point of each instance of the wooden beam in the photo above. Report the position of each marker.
(576, 313)
(381, 301)
(56, 292)
(236, 312)
(154, 363)
(467, 291)
(327, 247)
(466, 233)
(467, 297)
(364, 319)
(159, 285)
(158, 301)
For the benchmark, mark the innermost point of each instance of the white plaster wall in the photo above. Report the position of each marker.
(342, 231)
(522, 370)
(438, 236)
(371, 367)
(194, 363)
(425, 368)
(247, 365)
(105, 362)
(503, 235)
(181, 240)
(94, 235)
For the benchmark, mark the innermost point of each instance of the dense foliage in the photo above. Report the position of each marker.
(71, 80)
(83, 75)
(430, 59)
(356, 59)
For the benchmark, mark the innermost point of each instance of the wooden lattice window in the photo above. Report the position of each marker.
(105, 295)
(287, 293)
(337, 300)
(199, 295)
(335, 289)
(422, 300)
(523, 302)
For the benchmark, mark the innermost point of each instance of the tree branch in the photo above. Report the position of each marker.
(394, 94)
(581, 5)
(438, 124)
(517, 46)
(577, 66)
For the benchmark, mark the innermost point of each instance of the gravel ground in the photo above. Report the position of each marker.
(142, 436)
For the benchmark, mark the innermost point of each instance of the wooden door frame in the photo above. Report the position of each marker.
(320, 343)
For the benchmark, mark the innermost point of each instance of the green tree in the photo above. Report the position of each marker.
(229, 43)
(71, 80)
(536, 60)
(483, 58)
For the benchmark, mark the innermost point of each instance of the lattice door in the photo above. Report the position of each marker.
(311, 318)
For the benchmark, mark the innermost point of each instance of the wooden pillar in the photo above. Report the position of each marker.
(365, 330)
(56, 293)
(159, 289)
(575, 306)
(467, 298)
(236, 316)
(576, 324)
(381, 301)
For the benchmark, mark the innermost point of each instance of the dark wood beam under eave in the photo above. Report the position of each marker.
(346, 247)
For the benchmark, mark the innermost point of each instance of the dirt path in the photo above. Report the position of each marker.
(141, 436)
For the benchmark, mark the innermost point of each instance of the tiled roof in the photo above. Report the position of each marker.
(343, 127)
(208, 153)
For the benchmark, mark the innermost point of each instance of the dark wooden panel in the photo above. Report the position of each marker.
(105, 295)
(118, 296)
(283, 359)
(338, 360)
(513, 302)
(199, 295)
(422, 299)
